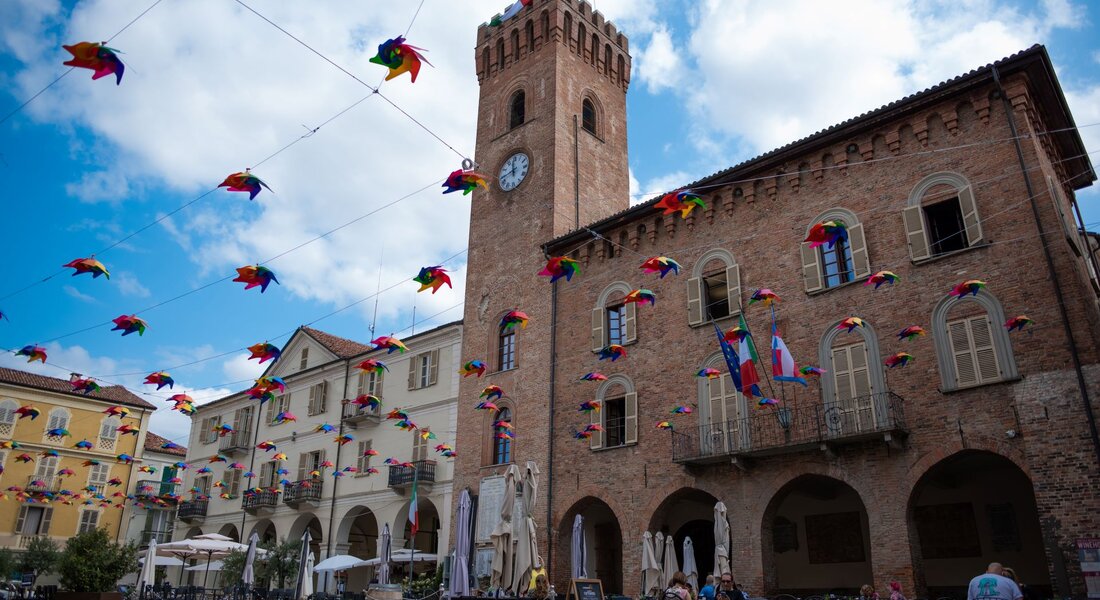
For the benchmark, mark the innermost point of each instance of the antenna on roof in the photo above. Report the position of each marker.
(377, 291)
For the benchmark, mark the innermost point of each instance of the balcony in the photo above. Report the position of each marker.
(160, 535)
(38, 485)
(423, 471)
(238, 442)
(304, 493)
(159, 489)
(353, 415)
(193, 511)
(260, 503)
(790, 430)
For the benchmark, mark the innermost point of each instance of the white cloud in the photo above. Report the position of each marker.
(665, 183)
(129, 285)
(75, 293)
(1064, 13)
(635, 188)
(100, 186)
(659, 65)
(240, 368)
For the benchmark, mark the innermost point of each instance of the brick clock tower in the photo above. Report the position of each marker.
(551, 138)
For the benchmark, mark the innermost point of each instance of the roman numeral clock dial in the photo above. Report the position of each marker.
(513, 171)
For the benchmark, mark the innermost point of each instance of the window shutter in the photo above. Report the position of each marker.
(598, 324)
(322, 400)
(630, 404)
(966, 372)
(971, 221)
(361, 384)
(596, 441)
(47, 467)
(861, 260)
(861, 373)
(21, 519)
(733, 289)
(433, 370)
(714, 395)
(47, 516)
(915, 234)
(695, 301)
(376, 383)
(271, 412)
(842, 374)
(630, 322)
(303, 464)
(811, 268)
(413, 363)
(985, 356)
(312, 406)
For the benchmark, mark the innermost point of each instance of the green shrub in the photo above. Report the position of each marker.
(91, 562)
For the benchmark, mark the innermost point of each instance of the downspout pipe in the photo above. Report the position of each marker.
(336, 480)
(550, 442)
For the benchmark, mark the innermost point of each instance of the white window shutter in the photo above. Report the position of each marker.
(596, 418)
(433, 369)
(361, 384)
(733, 289)
(842, 374)
(303, 463)
(695, 301)
(630, 323)
(630, 409)
(966, 371)
(714, 395)
(985, 355)
(599, 322)
(861, 260)
(21, 519)
(47, 516)
(860, 361)
(971, 220)
(811, 268)
(413, 363)
(915, 235)
(324, 396)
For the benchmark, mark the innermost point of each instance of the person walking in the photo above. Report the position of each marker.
(993, 585)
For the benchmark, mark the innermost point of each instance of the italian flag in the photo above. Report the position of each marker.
(746, 352)
(414, 515)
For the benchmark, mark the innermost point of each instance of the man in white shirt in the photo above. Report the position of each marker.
(993, 586)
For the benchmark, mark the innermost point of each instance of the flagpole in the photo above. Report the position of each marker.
(782, 388)
(771, 390)
(412, 538)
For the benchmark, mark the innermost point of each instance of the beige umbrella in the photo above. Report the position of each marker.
(651, 569)
(527, 550)
(721, 541)
(502, 536)
(659, 553)
(669, 562)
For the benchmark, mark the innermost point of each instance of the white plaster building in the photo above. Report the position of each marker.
(151, 518)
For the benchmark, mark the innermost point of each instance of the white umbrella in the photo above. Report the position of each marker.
(304, 588)
(401, 556)
(248, 575)
(460, 571)
(214, 565)
(670, 566)
(339, 562)
(384, 543)
(148, 574)
(208, 546)
(651, 569)
(527, 550)
(659, 553)
(578, 556)
(691, 570)
(503, 535)
(721, 541)
(164, 561)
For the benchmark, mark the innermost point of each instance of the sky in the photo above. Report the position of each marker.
(129, 171)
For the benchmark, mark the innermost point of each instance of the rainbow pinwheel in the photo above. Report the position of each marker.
(640, 296)
(560, 266)
(266, 445)
(426, 434)
(370, 452)
(829, 232)
(594, 376)
(51, 453)
(851, 323)
(87, 265)
(224, 429)
(260, 394)
(474, 367)
(432, 277)
(124, 458)
(90, 463)
(170, 446)
(370, 471)
(181, 398)
(882, 277)
(680, 201)
(514, 318)
(28, 411)
(709, 373)
(764, 295)
(405, 425)
(83, 445)
(398, 415)
(589, 406)
(817, 371)
(255, 275)
(970, 286)
(97, 57)
(25, 458)
(324, 428)
(285, 417)
(399, 57)
(33, 353)
(270, 382)
(492, 392)
(665, 425)
(264, 352)
(159, 379)
(505, 435)
(219, 458)
(911, 333)
(682, 410)
(204, 471)
(279, 456)
(390, 343)
(376, 366)
(614, 352)
(9, 445)
(901, 359)
(391, 461)
(58, 433)
(464, 181)
(1018, 323)
(129, 324)
(582, 435)
(85, 385)
(661, 264)
(486, 406)
(443, 447)
(767, 402)
(147, 469)
(128, 429)
(244, 181)
(368, 401)
(66, 472)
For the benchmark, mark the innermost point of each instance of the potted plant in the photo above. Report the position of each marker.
(91, 566)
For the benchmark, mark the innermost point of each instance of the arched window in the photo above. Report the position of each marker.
(582, 38)
(972, 348)
(942, 216)
(108, 433)
(828, 266)
(506, 349)
(502, 446)
(594, 49)
(618, 414)
(614, 321)
(486, 65)
(854, 389)
(623, 75)
(588, 116)
(607, 58)
(500, 55)
(515, 45)
(568, 29)
(59, 419)
(529, 34)
(714, 289)
(8, 417)
(516, 109)
(545, 19)
(721, 411)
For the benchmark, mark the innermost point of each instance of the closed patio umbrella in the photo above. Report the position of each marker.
(578, 555)
(669, 563)
(691, 570)
(503, 535)
(384, 543)
(460, 571)
(304, 588)
(651, 569)
(721, 541)
(148, 574)
(248, 575)
(527, 551)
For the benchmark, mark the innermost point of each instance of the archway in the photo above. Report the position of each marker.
(265, 529)
(427, 534)
(685, 513)
(604, 538)
(815, 539)
(970, 509)
(310, 521)
(194, 531)
(230, 531)
(358, 536)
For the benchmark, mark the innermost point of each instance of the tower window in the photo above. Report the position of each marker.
(614, 422)
(500, 55)
(946, 231)
(502, 446)
(836, 263)
(506, 350)
(516, 110)
(616, 324)
(717, 292)
(588, 116)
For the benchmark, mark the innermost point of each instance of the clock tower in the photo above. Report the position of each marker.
(551, 139)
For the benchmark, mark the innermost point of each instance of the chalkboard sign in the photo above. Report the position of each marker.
(585, 589)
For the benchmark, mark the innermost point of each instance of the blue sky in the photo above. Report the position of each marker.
(210, 89)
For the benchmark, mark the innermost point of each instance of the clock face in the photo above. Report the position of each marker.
(513, 171)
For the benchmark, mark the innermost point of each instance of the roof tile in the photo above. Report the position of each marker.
(113, 394)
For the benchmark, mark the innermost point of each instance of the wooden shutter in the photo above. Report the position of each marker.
(630, 323)
(47, 517)
(598, 325)
(413, 363)
(733, 289)
(985, 355)
(46, 469)
(304, 362)
(630, 409)
(842, 374)
(966, 371)
(234, 482)
(915, 235)
(322, 396)
(376, 380)
(361, 384)
(21, 519)
(695, 301)
(267, 470)
(303, 462)
(714, 396)
(970, 216)
(596, 417)
(311, 407)
(811, 268)
(363, 462)
(433, 369)
(861, 260)
(89, 519)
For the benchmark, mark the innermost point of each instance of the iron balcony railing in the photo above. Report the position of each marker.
(42, 484)
(402, 476)
(163, 535)
(256, 500)
(160, 489)
(781, 430)
(355, 413)
(193, 509)
(238, 441)
(306, 490)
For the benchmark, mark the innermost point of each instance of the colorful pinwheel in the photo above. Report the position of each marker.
(682, 410)
(680, 201)
(661, 264)
(324, 428)
(264, 352)
(87, 265)
(473, 367)
(57, 433)
(764, 295)
(432, 277)
(160, 379)
(255, 275)
(97, 57)
(147, 469)
(85, 385)
(767, 402)
(368, 401)
(640, 296)
(28, 411)
(614, 352)
(285, 417)
(129, 324)
(51, 453)
(464, 181)
(817, 371)
(371, 365)
(560, 266)
(829, 232)
(126, 428)
(911, 333)
(486, 406)
(970, 286)
(882, 277)
(492, 392)
(851, 323)
(709, 373)
(514, 318)
(270, 383)
(83, 445)
(589, 406)
(125, 458)
(390, 343)
(223, 429)
(665, 425)
(24, 458)
(901, 359)
(33, 353)
(170, 446)
(66, 472)
(426, 434)
(509, 13)
(399, 57)
(594, 376)
(398, 415)
(266, 445)
(244, 181)
(1018, 323)
(279, 456)
(218, 458)
(370, 452)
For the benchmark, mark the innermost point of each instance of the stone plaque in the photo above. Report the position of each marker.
(489, 499)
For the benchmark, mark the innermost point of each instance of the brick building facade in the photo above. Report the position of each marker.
(984, 448)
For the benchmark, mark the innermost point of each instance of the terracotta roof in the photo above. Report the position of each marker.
(153, 443)
(342, 347)
(113, 394)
